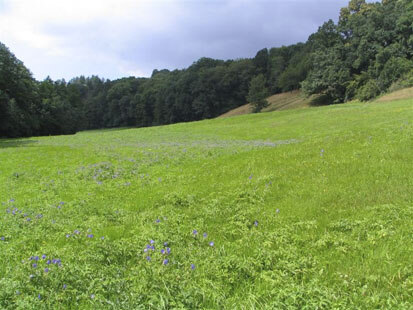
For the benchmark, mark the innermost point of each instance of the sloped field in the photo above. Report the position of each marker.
(298, 209)
(279, 102)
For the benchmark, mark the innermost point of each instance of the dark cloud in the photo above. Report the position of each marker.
(156, 34)
(237, 29)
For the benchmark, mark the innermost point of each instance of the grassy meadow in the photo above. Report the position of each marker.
(297, 209)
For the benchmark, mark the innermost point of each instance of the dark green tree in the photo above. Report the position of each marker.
(258, 93)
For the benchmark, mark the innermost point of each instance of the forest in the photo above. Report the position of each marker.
(369, 51)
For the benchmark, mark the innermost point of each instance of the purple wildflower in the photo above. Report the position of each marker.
(250, 177)
(195, 232)
(168, 250)
(64, 286)
(192, 266)
(39, 296)
(102, 238)
(90, 236)
(48, 262)
(148, 258)
(67, 235)
(34, 265)
(205, 234)
(256, 223)
(163, 251)
(2, 238)
(165, 243)
(211, 243)
(158, 221)
(43, 256)
(152, 241)
(36, 258)
(165, 261)
(28, 219)
(46, 270)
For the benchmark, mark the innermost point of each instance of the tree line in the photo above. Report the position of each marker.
(368, 51)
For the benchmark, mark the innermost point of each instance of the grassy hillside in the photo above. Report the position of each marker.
(297, 209)
(297, 100)
(405, 93)
(278, 102)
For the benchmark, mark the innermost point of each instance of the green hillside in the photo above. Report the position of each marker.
(301, 209)
(297, 100)
(279, 102)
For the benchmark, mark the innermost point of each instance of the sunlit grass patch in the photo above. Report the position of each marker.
(296, 209)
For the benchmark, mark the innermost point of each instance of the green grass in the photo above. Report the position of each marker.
(279, 102)
(341, 178)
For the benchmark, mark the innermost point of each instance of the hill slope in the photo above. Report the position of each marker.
(278, 102)
(296, 100)
(406, 93)
(298, 209)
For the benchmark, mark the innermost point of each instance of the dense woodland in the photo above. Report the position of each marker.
(367, 52)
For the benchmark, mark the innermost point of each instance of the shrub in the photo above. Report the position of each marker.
(368, 91)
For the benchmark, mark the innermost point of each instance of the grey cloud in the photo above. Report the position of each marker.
(223, 29)
(235, 30)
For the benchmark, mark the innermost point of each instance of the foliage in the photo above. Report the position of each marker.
(18, 100)
(368, 91)
(360, 57)
(258, 93)
(405, 81)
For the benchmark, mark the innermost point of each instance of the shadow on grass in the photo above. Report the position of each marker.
(105, 130)
(6, 143)
(320, 100)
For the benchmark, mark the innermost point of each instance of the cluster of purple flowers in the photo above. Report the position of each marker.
(164, 251)
(16, 211)
(77, 232)
(195, 233)
(36, 260)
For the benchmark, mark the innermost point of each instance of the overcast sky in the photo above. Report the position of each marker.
(117, 38)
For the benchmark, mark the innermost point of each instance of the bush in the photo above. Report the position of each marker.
(405, 81)
(368, 91)
(393, 70)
